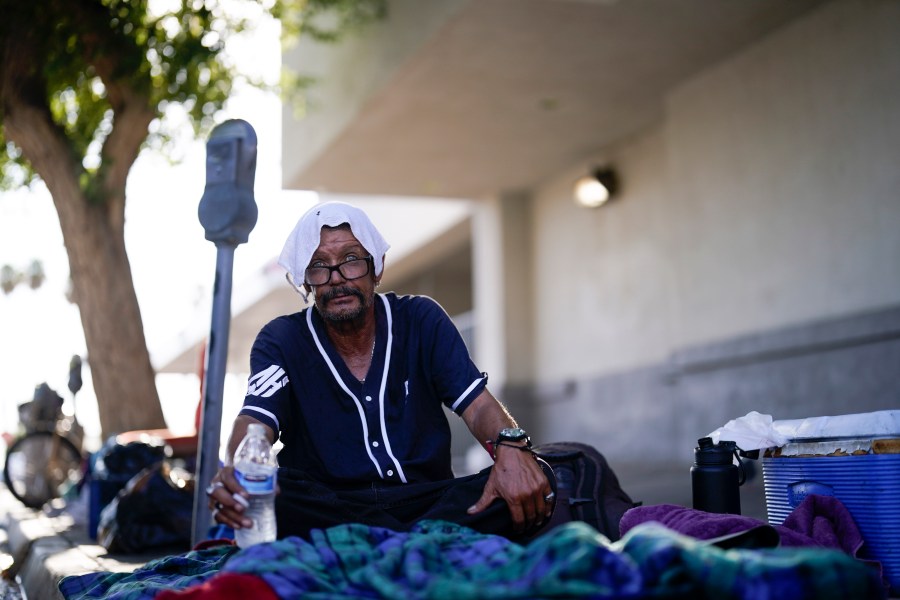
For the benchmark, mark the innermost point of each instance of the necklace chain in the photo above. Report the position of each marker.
(371, 358)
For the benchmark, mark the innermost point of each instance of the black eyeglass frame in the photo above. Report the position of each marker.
(370, 263)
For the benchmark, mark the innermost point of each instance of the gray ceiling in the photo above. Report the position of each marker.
(508, 92)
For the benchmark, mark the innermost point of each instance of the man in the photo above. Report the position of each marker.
(353, 387)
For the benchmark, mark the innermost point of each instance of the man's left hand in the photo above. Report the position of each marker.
(518, 479)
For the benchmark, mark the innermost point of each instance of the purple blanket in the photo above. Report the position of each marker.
(819, 521)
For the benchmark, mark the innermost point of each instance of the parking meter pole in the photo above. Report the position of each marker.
(213, 390)
(228, 213)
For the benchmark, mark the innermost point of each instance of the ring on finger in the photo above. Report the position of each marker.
(213, 487)
(549, 497)
(214, 513)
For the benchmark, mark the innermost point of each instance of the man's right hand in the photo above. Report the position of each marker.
(228, 499)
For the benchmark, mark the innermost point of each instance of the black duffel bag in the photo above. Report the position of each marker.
(587, 489)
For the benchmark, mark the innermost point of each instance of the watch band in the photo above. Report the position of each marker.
(496, 444)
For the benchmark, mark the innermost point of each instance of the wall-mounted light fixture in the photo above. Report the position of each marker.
(597, 188)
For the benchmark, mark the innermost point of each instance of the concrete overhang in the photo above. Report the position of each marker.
(471, 98)
(468, 98)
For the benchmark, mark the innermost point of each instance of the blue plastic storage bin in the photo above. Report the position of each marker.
(100, 493)
(867, 484)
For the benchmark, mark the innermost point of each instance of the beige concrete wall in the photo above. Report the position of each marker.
(604, 278)
(769, 195)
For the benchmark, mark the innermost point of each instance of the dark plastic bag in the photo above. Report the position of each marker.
(121, 462)
(111, 467)
(155, 510)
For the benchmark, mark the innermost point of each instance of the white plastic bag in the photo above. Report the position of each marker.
(753, 431)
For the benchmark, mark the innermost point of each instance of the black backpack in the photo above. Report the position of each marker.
(587, 488)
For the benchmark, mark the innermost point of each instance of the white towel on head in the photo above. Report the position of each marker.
(304, 239)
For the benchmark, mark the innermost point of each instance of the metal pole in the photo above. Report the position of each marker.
(214, 389)
(228, 213)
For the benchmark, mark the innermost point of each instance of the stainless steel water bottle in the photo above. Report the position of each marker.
(715, 479)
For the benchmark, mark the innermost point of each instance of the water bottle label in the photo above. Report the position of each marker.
(256, 483)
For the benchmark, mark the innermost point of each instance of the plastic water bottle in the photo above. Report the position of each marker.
(255, 467)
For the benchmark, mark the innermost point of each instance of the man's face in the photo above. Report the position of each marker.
(340, 299)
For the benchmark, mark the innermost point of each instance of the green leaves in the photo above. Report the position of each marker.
(327, 20)
(91, 61)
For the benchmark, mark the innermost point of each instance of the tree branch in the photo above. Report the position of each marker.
(26, 115)
(132, 110)
(121, 149)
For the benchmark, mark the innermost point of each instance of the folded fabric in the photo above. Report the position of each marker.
(771, 573)
(304, 239)
(697, 523)
(819, 521)
(827, 521)
(824, 520)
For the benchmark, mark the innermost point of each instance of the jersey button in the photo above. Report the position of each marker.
(368, 398)
(374, 444)
(390, 473)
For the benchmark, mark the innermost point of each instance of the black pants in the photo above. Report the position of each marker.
(304, 505)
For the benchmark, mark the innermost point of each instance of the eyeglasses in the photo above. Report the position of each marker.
(349, 270)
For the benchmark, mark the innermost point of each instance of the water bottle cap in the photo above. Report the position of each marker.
(708, 453)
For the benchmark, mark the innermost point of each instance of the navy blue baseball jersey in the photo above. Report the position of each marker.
(390, 427)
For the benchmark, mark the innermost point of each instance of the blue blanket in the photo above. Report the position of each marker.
(442, 560)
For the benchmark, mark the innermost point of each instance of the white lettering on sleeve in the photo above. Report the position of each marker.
(267, 382)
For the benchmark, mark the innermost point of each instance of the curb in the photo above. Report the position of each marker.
(47, 545)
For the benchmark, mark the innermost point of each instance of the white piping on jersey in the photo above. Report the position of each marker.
(384, 377)
(267, 413)
(359, 408)
(466, 393)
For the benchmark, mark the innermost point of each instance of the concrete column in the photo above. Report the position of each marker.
(487, 291)
(502, 274)
(518, 288)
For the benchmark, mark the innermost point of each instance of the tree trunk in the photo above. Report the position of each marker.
(123, 377)
(93, 230)
(124, 381)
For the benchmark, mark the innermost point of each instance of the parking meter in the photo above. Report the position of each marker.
(228, 213)
(227, 209)
(75, 382)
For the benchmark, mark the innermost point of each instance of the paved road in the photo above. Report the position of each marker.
(9, 588)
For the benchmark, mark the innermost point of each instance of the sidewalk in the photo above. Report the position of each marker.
(49, 544)
(46, 547)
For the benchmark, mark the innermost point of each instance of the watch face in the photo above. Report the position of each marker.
(513, 434)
